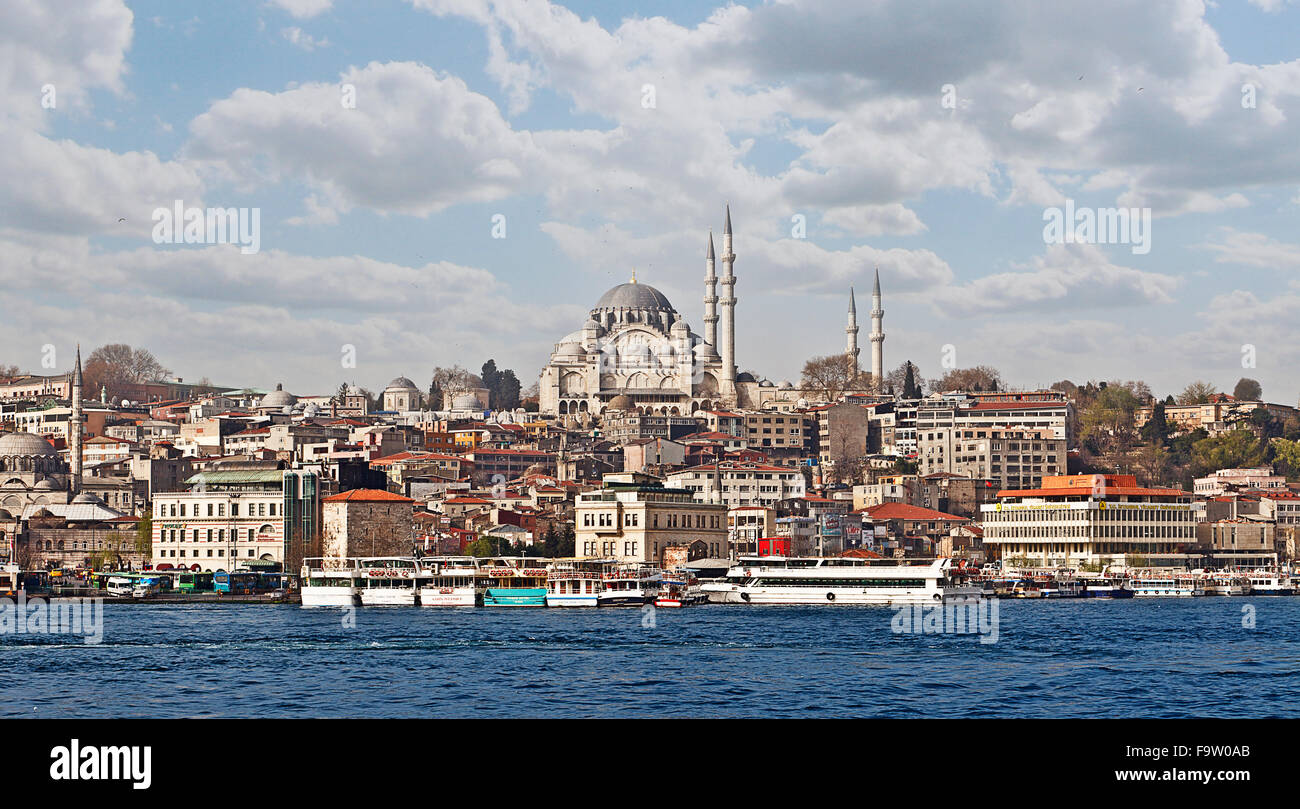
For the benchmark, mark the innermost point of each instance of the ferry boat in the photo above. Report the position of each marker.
(577, 582)
(838, 580)
(514, 582)
(1269, 583)
(679, 588)
(388, 581)
(1166, 587)
(1224, 584)
(11, 584)
(1107, 587)
(449, 581)
(1063, 588)
(330, 582)
(629, 585)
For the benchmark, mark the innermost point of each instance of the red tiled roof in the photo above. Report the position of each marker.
(367, 496)
(903, 511)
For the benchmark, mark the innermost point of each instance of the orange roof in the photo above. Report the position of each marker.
(367, 496)
(903, 511)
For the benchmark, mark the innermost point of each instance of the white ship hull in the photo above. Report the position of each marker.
(1165, 592)
(571, 600)
(719, 593)
(329, 596)
(388, 597)
(448, 597)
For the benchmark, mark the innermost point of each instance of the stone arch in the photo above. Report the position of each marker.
(564, 408)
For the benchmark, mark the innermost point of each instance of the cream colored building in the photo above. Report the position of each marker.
(634, 518)
(1016, 458)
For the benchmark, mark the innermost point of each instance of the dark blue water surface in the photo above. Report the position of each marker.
(1143, 658)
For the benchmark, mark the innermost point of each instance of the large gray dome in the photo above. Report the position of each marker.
(25, 444)
(634, 296)
(278, 398)
(401, 383)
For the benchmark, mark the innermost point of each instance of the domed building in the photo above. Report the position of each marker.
(31, 473)
(402, 396)
(635, 346)
(276, 401)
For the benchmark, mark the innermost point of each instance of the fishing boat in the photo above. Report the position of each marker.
(838, 580)
(388, 581)
(629, 585)
(449, 581)
(330, 582)
(510, 581)
(679, 588)
(577, 582)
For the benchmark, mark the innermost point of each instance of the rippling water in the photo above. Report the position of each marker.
(1141, 658)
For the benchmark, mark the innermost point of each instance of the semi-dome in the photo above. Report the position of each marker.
(620, 402)
(634, 296)
(279, 398)
(25, 444)
(46, 485)
(571, 350)
(401, 383)
(88, 498)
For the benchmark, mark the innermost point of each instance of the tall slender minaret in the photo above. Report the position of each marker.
(74, 428)
(852, 331)
(727, 339)
(710, 297)
(877, 337)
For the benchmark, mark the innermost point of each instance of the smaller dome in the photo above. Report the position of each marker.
(466, 401)
(25, 444)
(311, 410)
(786, 385)
(705, 350)
(591, 324)
(570, 350)
(680, 327)
(401, 383)
(88, 498)
(46, 485)
(620, 402)
(745, 376)
(766, 383)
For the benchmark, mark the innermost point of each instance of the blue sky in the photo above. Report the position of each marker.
(376, 220)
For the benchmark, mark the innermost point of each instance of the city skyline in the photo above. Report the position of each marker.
(607, 140)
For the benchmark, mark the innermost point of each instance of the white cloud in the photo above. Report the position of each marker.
(1255, 249)
(301, 39)
(303, 9)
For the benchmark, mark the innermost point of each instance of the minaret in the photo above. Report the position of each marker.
(727, 339)
(710, 297)
(877, 337)
(852, 331)
(74, 428)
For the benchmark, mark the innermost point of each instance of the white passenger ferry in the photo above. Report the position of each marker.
(629, 585)
(1269, 583)
(330, 582)
(388, 581)
(1166, 587)
(449, 581)
(577, 582)
(838, 580)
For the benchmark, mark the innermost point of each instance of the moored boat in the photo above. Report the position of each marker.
(629, 585)
(388, 581)
(1269, 583)
(576, 582)
(449, 581)
(839, 580)
(514, 582)
(679, 588)
(1166, 587)
(330, 582)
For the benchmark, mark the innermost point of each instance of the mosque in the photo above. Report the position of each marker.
(637, 353)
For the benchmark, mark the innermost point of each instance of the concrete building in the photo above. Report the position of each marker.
(740, 484)
(1012, 457)
(1227, 480)
(1092, 518)
(635, 518)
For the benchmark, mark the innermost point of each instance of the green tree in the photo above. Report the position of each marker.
(1107, 424)
(1286, 457)
(1248, 390)
(1156, 430)
(911, 387)
(144, 535)
(1228, 450)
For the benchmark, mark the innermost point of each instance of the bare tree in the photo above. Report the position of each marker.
(1196, 393)
(980, 378)
(832, 375)
(117, 366)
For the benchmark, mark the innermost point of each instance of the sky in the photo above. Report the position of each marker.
(447, 181)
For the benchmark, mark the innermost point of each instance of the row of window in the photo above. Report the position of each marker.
(195, 554)
(178, 535)
(217, 509)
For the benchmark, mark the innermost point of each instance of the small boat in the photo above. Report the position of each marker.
(388, 581)
(577, 582)
(330, 582)
(1224, 584)
(1108, 587)
(1269, 583)
(629, 585)
(1063, 588)
(679, 588)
